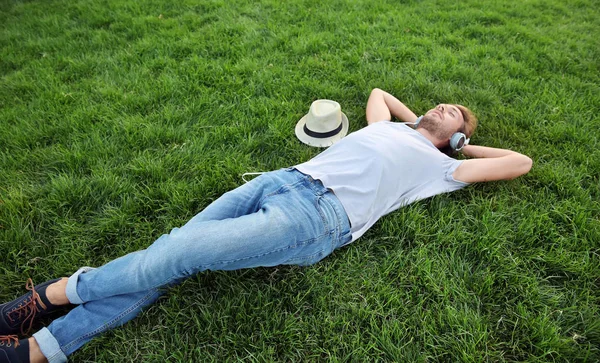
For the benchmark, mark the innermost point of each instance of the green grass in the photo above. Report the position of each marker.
(120, 120)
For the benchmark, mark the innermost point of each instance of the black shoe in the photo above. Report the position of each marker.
(13, 350)
(21, 313)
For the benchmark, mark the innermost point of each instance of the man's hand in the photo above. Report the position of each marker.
(382, 105)
(491, 164)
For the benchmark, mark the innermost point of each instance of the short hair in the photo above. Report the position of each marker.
(470, 123)
(468, 128)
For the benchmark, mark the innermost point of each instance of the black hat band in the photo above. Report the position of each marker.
(322, 135)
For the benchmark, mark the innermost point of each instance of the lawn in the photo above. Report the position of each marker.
(122, 119)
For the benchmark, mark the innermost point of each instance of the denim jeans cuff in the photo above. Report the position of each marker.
(49, 346)
(71, 290)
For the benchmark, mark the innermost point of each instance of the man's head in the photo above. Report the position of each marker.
(444, 120)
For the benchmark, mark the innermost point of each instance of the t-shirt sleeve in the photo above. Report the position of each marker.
(450, 166)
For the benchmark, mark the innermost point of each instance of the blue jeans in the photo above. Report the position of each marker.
(281, 217)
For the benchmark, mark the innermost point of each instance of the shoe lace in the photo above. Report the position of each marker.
(27, 309)
(9, 340)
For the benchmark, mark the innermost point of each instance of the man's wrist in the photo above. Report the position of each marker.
(465, 150)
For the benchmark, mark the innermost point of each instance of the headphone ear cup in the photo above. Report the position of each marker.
(458, 141)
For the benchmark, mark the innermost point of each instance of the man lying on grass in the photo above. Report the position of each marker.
(296, 215)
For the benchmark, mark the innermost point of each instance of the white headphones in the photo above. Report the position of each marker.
(457, 141)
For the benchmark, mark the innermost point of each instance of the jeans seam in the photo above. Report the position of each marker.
(309, 257)
(340, 214)
(322, 214)
(111, 321)
(53, 356)
(296, 245)
(280, 190)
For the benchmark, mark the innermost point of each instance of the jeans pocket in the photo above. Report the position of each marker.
(325, 213)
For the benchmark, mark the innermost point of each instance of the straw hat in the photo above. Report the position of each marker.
(324, 125)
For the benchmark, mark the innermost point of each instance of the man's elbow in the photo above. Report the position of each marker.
(525, 165)
(529, 163)
(377, 108)
(521, 165)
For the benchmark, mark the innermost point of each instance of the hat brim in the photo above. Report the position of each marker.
(321, 142)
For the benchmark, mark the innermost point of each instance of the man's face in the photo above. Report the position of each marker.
(442, 121)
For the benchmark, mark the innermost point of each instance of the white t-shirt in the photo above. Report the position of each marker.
(380, 168)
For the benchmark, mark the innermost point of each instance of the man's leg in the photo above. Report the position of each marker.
(330, 226)
(285, 223)
(238, 202)
(68, 333)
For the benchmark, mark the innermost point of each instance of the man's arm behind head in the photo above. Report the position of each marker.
(489, 164)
